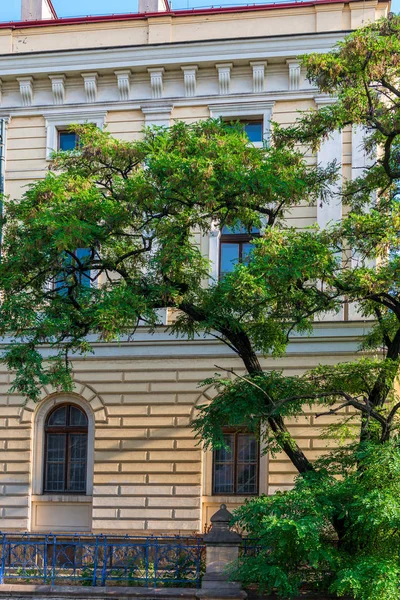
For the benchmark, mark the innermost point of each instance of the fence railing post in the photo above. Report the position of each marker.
(3, 557)
(222, 549)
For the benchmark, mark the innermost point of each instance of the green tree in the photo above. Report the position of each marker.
(134, 207)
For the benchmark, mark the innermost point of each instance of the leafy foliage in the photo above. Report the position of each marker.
(299, 544)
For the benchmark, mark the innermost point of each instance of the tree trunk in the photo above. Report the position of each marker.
(239, 340)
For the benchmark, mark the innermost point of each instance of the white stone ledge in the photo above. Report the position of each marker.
(62, 498)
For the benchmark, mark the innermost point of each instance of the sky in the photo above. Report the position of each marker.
(10, 10)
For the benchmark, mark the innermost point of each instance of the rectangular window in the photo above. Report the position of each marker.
(235, 247)
(252, 127)
(71, 266)
(235, 468)
(67, 140)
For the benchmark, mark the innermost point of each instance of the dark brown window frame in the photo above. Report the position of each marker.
(66, 430)
(234, 238)
(236, 431)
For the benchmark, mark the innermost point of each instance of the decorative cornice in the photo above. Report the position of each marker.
(156, 81)
(294, 73)
(90, 83)
(124, 84)
(145, 55)
(58, 88)
(224, 77)
(189, 76)
(258, 76)
(235, 108)
(324, 99)
(26, 90)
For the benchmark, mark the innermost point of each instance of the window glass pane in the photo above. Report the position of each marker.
(83, 254)
(229, 257)
(254, 131)
(58, 417)
(225, 454)
(247, 448)
(224, 467)
(56, 447)
(247, 250)
(77, 477)
(223, 478)
(246, 479)
(77, 466)
(67, 140)
(238, 229)
(55, 462)
(77, 417)
(77, 446)
(247, 459)
(55, 477)
(233, 229)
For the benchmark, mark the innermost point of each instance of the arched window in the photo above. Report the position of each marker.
(65, 450)
(235, 246)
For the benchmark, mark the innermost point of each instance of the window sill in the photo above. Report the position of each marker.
(229, 498)
(62, 498)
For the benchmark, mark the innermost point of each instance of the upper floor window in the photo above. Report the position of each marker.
(253, 129)
(65, 457)
(67, 140)
(236, 467)
(71, 266)
(235, 246)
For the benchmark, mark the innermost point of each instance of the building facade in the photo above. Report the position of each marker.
(118, 454)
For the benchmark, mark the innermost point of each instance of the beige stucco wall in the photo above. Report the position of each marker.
(149, 471)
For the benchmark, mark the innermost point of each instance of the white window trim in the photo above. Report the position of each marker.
(261, 110)
(58, 121)
(38, 445)
(236, 110)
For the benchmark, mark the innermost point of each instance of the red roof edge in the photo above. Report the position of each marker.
(171, 12)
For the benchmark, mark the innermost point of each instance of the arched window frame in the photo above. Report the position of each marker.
(66, 430)
(41, 415)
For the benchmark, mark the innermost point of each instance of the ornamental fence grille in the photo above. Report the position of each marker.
(98, 560)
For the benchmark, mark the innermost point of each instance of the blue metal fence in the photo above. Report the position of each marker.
(90, 560)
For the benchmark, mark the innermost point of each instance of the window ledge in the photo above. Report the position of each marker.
(61, 498)
(228, 499)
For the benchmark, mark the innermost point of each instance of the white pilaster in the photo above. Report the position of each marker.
(58, 88)
(329, 212)
(294, 73)
(156, 82)
(90, 83)
(224, 77)
(1, 88)
(359, 158)
(124, 84)
(330, 150)
(26, 90)
(189, 77)
(213, 253)
(258, 76)
(360, 161)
